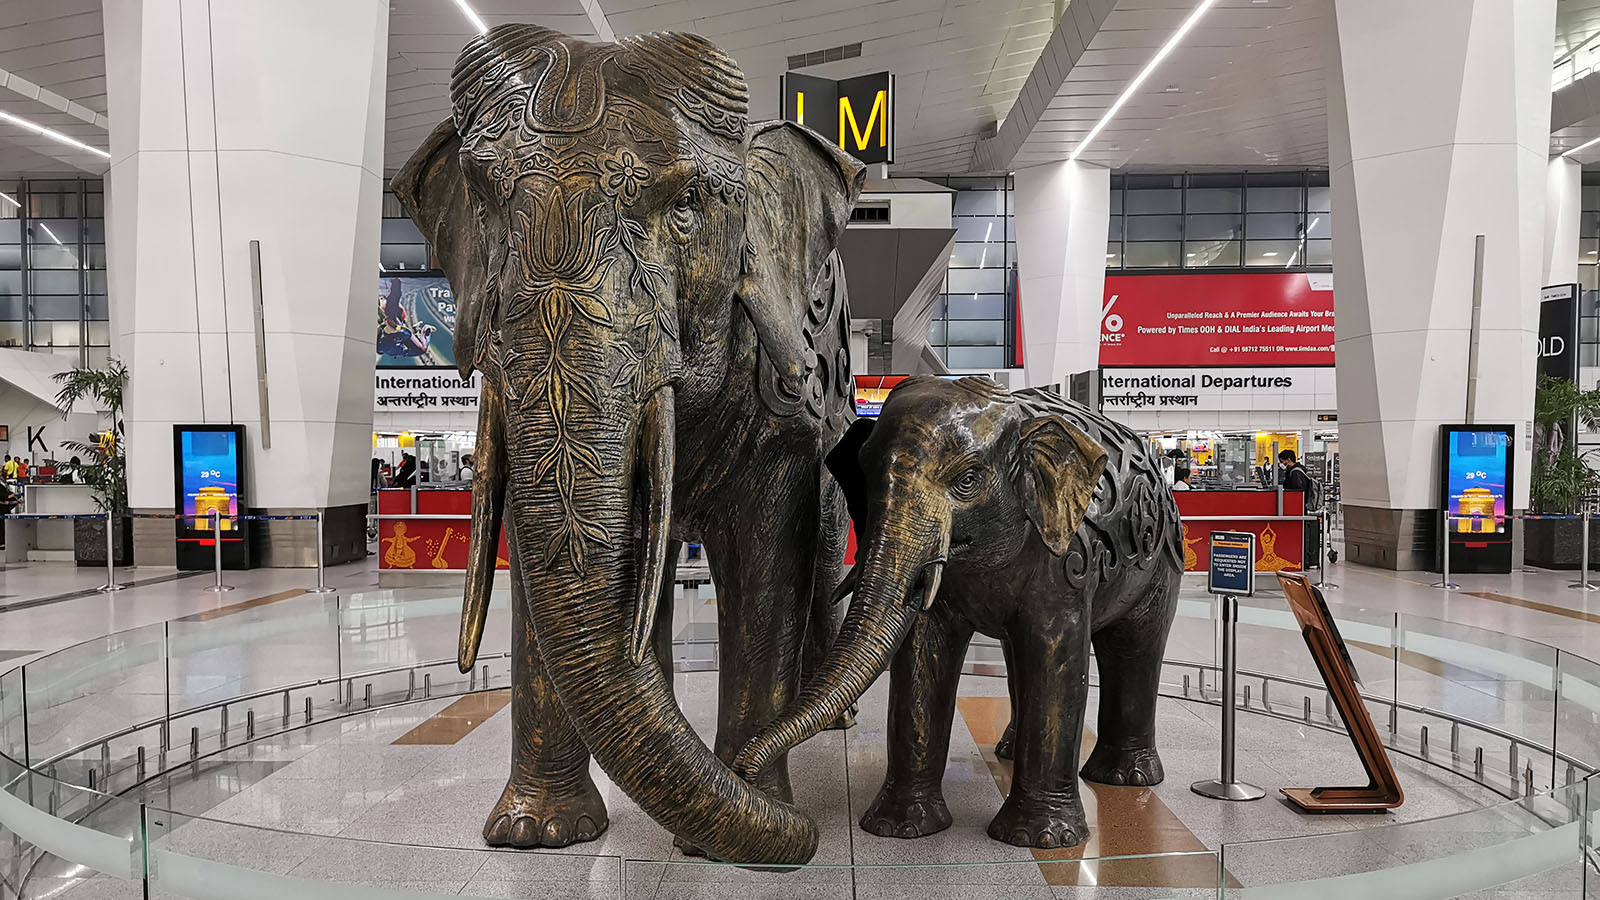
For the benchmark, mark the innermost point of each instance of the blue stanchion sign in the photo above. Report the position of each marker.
(1233, 563)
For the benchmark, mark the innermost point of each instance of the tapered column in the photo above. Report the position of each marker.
(239, 122)
(1563, 205)
(1062, 211)
(1432, 142)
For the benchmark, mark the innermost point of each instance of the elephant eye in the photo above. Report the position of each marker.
(684, 213)
(967, 484)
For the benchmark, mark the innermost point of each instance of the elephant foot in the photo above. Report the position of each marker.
(906, 814)
(529, 816)
(1006, 747)
(846, 720)
(1110, 765)
(1023, 824)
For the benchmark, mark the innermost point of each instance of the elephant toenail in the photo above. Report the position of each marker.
(585, 828)
(1047, 840)
(555, 833)
(524, 832)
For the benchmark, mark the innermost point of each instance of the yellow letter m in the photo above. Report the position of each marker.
(880, 106)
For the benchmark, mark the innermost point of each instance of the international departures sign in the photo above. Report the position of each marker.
(856, 113)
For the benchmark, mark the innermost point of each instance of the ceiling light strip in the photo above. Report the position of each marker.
(1583, 146)
(472, 16)
(1149, 67)
(51, 133)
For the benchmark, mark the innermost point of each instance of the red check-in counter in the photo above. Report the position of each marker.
(427, 530)
(1280, 546)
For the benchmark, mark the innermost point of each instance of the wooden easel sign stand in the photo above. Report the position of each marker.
(1333, 661)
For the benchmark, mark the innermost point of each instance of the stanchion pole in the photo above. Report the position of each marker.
(1229, 787)
(1322, 553)
(216, 537)
(1444, 538)
(322, 587)
(1582, 583)
(111, 585)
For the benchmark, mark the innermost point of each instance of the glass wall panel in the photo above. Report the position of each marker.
(1273, 226)
(976, 281)
(1152, 255)
(1269, 253)
(1154, 228)
(975, 357)
(1213, 228)
(1215, 253)
(976, 306)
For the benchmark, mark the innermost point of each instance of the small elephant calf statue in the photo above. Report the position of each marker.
(1031, 519)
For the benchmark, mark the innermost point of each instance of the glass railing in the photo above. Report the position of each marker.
(95, 720)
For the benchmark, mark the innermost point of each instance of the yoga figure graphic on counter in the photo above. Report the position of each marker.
(400, 555)
(1270, 560)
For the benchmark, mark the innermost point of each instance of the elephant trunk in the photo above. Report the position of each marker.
(583, 605)
(897, 579)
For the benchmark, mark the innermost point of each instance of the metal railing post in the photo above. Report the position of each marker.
(1444, 539)
(111, 585)
(1228, 787)
(1582, 583)
(322, 587)
(216, 538)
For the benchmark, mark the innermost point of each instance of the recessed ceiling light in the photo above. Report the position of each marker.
(51, 134)
(1172, 42)
(1270, 253)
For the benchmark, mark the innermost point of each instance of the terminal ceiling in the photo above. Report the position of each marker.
(1244, 89)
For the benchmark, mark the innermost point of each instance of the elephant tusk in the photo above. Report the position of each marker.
(488, 512)
(931, 576)
(657, 459)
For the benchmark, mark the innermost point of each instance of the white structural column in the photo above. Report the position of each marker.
(1562, 220)
(1062, 211)
(250, 120)
(1439, 127)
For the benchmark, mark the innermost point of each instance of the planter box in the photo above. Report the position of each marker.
(89, 542)
(1558, 543)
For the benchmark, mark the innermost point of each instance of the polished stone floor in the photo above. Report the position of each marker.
(336, 797)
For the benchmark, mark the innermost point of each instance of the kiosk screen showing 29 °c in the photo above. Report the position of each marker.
(1476, 464)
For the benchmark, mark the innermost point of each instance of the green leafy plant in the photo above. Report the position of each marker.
(102, 464)
(1561, 477)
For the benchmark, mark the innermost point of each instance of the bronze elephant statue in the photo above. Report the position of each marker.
(650, 288)
(1028, 518)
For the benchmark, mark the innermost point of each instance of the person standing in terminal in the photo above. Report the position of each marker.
(1180, 479)
(466, 468)
(10, 468)
(1296, 478)
(406, 475)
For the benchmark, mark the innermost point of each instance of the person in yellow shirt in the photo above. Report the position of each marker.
(10, 467)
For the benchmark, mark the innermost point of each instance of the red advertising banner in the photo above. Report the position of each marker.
(1280, 546)
(1256, 319)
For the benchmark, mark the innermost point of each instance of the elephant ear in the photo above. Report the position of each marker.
(799, 192)
(844, 461)
(433, 191)
(1060, 466)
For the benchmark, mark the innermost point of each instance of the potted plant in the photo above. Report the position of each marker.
(100, 462)
(1562, 477)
